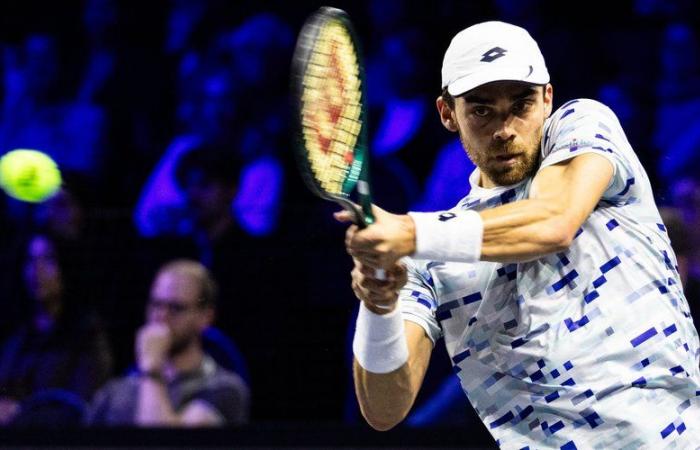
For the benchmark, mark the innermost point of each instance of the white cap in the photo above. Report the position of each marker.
(492, 51)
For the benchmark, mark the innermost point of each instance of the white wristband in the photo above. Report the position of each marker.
(380, 343)
(448, 236)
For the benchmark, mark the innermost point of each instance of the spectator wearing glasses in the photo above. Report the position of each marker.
(176, 383)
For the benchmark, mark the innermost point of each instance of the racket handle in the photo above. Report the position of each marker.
(360, 219)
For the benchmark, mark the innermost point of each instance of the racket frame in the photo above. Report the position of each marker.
(358, 176)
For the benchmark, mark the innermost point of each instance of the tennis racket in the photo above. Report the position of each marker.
(328, 91)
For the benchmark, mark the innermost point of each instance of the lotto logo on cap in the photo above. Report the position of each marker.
(492, 51)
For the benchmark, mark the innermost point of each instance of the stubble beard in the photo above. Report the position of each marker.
(179, 345)
(525, 166)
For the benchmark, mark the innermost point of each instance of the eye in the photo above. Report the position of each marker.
(521, 106)
(481, 111)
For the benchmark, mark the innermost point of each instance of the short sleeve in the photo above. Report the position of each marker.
(418, 302)
(114, 404)
(587, 126)
(229, 396)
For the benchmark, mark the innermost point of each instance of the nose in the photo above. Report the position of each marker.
(505, 130)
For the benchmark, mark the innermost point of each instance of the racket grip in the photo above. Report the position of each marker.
(380, 274)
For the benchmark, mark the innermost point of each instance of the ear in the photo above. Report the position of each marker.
(447, 115)
(548, 100)
(206, 319)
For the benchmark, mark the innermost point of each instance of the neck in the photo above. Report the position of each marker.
(187, 360)
(485, 182)
(217, 228)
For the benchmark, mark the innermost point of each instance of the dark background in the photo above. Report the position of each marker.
(130, 78)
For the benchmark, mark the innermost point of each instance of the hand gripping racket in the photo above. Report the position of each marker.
(328, 90)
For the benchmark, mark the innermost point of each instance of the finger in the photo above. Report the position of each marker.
(385, 299)
(394, 280)
(364, 239)
(397, 268)
(356, 275)
(360, 292)
(366, 270)
(386, 259)
(343, 216)
(371, 285)
(371, 271)
(349, 235)
(401, 280)
(357, 265)
(369, 263)
(366, 276)
(356, 289)
(382, 298)
(377, 287)
(364, 256)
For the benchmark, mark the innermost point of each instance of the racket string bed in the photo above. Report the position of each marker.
(331, 113)
(328, 85)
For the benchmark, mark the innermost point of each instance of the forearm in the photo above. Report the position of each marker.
(386, 399)
(561, 198)
(153, 407)
(515, 232)
(524, 230)
(391, 354)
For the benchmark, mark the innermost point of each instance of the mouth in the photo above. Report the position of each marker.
(507, 159)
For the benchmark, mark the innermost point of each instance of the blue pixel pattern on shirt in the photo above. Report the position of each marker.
(592, 347)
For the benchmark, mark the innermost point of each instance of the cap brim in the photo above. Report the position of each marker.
(515, 73)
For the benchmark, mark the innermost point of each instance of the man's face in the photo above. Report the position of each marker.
(500, 126)
(176, 302)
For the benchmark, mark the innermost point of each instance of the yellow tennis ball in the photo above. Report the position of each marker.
(29, 175)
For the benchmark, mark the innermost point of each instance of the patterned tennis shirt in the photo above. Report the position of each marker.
(590, 348)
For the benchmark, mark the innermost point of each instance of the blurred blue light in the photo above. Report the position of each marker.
(400, 123)
(448, 182)
(258, 201)
(436, 410)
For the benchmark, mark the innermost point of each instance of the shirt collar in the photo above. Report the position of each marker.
(480, 192)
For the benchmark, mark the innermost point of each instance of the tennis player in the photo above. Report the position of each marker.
(553, 283)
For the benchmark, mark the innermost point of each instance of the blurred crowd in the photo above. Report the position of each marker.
(183, 275)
